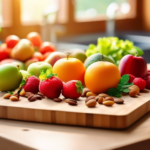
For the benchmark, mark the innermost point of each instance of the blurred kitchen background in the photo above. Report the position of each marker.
(78, 22)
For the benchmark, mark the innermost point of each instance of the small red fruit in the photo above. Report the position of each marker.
(4, 52)
(47, 47)
(140, 83)
(32, 84)
(132, 77)
(51, 87)
(72, 89)
(11, 41)
(35, 39)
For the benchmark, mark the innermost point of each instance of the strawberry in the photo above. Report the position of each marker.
(31, 84)
(51, 87)
(72, 89)
(132, 77)
(140, 83)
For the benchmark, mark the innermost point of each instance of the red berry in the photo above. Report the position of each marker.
(132, 77)
(140, 83)
(32, 84)
(72, 89)
(148, 82)
(51, 87)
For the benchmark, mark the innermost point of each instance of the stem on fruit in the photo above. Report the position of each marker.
(136, 54)
(18, 66)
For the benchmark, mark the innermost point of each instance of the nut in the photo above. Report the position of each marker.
(103, 95)
(14, 98)
(119, 101)
(7, 96)
(91, 103)
(71, 101)
(89, 98)
(34, 97)
(22, 92)
(90, 94)
(134, 90)
(108, 98)
(85, 90)
(108, 103)
(57, 99)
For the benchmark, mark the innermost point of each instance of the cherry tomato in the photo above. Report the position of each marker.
(4, 52)
(11, 41)
(35, 39)
(47, 47)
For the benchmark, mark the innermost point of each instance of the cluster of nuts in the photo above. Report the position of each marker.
(102, 98)
(21, 92)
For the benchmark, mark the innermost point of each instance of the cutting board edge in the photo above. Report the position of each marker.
(71, 118)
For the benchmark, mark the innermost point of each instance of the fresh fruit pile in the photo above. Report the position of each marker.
(34, 69)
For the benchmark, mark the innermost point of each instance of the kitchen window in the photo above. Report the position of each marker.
(25, 16)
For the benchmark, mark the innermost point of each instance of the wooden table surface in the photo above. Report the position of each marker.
(19, 135)
(27, 136)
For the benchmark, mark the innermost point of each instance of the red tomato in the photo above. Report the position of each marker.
(46, 55)
(38, 55)
(35, 39)
(11, 41)
(4, 52)
(47, 47)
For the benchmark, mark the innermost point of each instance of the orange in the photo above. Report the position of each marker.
(101, 76)
(69, 69)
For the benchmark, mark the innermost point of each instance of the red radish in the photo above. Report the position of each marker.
(72, 89)
(140, 83)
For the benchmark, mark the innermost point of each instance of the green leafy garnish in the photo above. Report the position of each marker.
(121, 88)
(10, 92)
(79, 87)
(114, 48)
(23, 81)
(45, 74)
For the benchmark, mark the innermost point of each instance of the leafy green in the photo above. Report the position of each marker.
(114, 48)
(23, 81)
(121, 88)
(79, 87)
(10, 92)
(44, 74)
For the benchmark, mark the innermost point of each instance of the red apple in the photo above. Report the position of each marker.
(133, 65)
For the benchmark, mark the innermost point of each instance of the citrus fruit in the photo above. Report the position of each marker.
(101, 76)
(69, 69)
(97, 57)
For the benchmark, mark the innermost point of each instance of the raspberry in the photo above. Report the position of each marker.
(132, 77)
(140, 83)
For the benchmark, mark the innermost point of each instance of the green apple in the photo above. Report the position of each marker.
(35, 68)
(24, 73)
(10, 77)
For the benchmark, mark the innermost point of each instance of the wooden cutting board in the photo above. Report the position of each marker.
(118, 116)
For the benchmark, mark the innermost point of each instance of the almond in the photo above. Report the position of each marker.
(90, 94)
(91, 103)
(14, 98)
(22, 92)
(108, 103)
(7, 96)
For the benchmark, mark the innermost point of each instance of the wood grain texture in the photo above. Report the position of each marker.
(48, 111)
